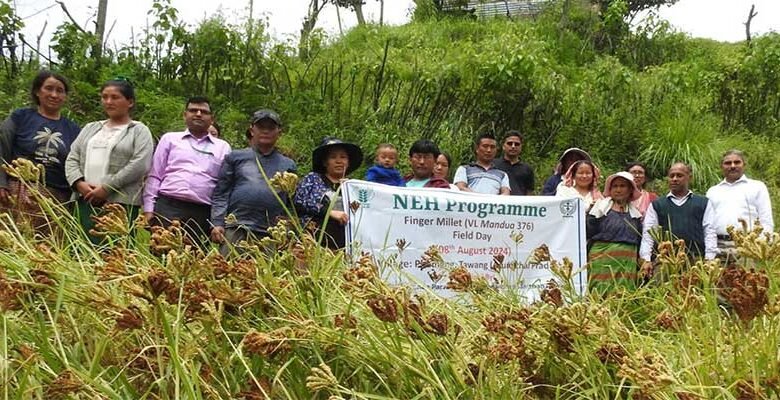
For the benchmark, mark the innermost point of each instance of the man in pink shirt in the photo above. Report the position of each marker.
(184, 173)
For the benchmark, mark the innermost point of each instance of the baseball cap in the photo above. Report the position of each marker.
(266, 114)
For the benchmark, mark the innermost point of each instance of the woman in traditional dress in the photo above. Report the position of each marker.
(110, 159)
(317, 197)
(639, 171)
(43, 136)
(614, 231)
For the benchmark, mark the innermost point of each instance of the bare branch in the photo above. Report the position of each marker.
(65, 9)
(36, 50)
(751, 14)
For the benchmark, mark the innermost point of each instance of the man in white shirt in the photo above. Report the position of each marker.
(738, 197)
(681, 214)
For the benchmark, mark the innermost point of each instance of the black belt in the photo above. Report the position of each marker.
(181, 203)
(724, 237)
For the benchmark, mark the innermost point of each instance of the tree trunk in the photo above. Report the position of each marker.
(381, 12)
(338, 18)
(358, 6)
(751, 15)
(38, 40)
(309, 22)
(100, 28)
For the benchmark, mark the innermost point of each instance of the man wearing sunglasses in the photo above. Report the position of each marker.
(521, 175)
(184, 173)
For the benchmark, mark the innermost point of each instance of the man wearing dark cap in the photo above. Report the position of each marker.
(184, 173)
(244, 204)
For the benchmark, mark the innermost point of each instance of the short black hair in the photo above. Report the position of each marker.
(514, 133)
(633, 164)
(39, 79)
(424, 146)
(684, 164)
(486, 135)
(197, 100)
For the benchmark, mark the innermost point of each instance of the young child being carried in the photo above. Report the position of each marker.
(384, 170)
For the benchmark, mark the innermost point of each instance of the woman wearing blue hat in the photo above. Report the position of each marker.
(317, 197)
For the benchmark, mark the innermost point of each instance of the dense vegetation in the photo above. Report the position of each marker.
(584, 80)
(124, 321)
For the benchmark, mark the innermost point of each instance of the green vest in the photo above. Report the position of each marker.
(684, 222)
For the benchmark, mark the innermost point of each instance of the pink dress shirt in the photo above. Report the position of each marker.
(184, 168)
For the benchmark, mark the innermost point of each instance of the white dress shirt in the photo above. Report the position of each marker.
(708, 224)
(746, 198)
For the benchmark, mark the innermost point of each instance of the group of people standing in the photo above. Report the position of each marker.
(224, 195)
(625, 221)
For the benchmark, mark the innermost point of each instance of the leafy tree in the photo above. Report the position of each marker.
(632, 7)
(72, 46)
(10, 26)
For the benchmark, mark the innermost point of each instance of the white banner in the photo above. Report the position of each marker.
(493, 236)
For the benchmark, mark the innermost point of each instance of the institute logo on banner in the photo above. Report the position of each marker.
(568, 208)
(364, 196)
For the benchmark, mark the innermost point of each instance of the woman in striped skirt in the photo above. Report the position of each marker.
(614, 231)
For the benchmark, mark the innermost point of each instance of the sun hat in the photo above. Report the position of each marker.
(320, 152)
(581, 154)
(635, 194)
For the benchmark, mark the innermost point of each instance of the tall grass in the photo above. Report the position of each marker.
(688, 134)
(120, 322)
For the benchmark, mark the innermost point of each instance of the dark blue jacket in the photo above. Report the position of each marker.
(243, 190)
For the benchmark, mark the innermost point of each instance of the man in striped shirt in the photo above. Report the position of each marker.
(482, 176)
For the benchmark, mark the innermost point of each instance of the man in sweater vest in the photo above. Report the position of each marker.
(681, 214)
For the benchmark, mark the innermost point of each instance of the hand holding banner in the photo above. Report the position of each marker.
(500, 238)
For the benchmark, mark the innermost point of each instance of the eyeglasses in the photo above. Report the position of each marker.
(198, 110)
(514, 144)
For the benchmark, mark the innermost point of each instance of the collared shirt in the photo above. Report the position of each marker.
(243, 190)
(482, 180)
(521, 176)
(708, 224)
(417, 183)
(746, 199)
(184, 168)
